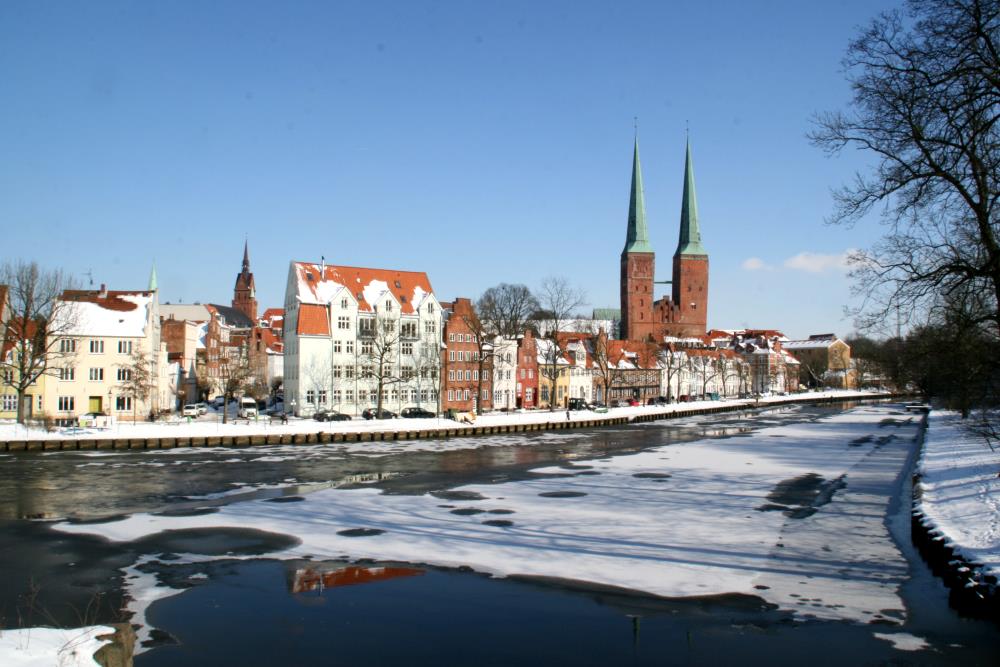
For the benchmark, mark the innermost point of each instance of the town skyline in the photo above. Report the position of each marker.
(479, 145)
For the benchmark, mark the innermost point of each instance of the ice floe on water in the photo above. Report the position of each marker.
(903, 641)
(687, 520)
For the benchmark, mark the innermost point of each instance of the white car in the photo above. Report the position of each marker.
(190, 410)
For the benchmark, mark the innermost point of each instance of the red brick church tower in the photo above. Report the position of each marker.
(685, 312)
(244, 294)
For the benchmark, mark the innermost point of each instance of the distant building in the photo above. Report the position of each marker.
(825, 361)
(460, 362)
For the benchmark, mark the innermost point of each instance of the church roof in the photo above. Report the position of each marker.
(637, 237)
(690, 236)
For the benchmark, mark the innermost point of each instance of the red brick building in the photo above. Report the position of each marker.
(684, 313)
(526, 391)
(461, 388)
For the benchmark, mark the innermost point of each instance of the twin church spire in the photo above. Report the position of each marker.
(637, 236)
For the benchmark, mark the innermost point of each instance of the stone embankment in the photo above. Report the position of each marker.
(592, 420)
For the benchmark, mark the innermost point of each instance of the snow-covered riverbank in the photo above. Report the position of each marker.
(959, 499)
(212, 426)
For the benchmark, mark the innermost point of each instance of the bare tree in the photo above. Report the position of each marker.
(507, 310)
(704, 365)
(379, 354)
(319, 374)
(672, 363)
(137, 380)
(35, 325)
(483, 331)
(607, 364)
(235, 372)
(558, 301)
(427, 366)
(925, 105)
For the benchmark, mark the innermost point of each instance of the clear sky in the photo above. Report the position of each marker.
(481, 142)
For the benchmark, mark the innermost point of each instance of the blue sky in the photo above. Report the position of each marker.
(481, 142)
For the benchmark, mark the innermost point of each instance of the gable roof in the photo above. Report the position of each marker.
(318, 284)
(313, 320)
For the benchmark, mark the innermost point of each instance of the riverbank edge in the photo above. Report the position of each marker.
(970, 590)
(377, 435)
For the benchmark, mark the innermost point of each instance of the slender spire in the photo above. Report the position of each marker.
(690, 238)
(153, 284)
(246, 257)
(637, 239)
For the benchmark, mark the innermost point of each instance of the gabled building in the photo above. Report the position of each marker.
(460, 360)
(356, 338)
(824, 360)
(526, 388)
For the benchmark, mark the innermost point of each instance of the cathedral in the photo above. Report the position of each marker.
(684, 313)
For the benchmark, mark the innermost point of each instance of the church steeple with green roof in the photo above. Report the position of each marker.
(690, 237)
(637, 238)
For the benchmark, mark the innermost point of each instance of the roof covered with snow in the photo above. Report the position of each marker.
(319, 284)
(105, 313)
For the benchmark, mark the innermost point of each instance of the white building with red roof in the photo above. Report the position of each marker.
(349, 329)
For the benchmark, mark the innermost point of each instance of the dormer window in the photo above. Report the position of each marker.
(398, 286)
(343, 303)
(388, 306)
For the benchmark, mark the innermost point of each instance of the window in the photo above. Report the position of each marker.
(349, 395)
(408, 330)
(310, 397)
(8, 375)
(451, 338)
(337, 347)
(366, 326)
(423, 394)
(522, 373)
(451, 376)
(8, 402)
(349, 347)
(466, 394)
(373, 395)
(406, 348)
(67, 345)
(545, 393)
(475, 355)
(468, 338)
(124, 374)
(343, 322)
(531, 373)
(475, 375)
(124, 347)
(96, 374)
(468, 375)
(430, 308)
(388, 306)
(394, 396)
(508, 375)
(97, 347)
(335, 396)
(66, 403)
(429, 327)
(123, 403)
(337, 371)
(343, 303)
(468, 355)
(349, 372)
(451, 395)
(486, 395)
(366, 347)
(451, 355)
(407, 372)
(322, 396)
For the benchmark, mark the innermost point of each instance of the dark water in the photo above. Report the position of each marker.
(246, 614)
(266, 612)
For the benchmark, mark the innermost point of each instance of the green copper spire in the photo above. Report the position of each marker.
(690, 241)
(637, 239)
(153, 286)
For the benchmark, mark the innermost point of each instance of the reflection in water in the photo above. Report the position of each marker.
(311, 579)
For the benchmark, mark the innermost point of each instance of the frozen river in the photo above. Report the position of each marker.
(689, 541)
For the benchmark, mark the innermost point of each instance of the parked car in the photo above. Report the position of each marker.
(191, 410)
(331, 416)
(202, 408)
(577, 404)
(416, 413)
(370, 413)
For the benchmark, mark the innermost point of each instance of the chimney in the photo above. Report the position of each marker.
(322, 266)
(104, 291)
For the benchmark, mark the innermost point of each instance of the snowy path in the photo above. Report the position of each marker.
(794, 514)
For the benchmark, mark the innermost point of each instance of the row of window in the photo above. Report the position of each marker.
(319, 397)
(344, 303)
(68, 374)
(456, 376)
(457, 395)
(68, 403)
(454, 355)
(68, 346)
(457, 338)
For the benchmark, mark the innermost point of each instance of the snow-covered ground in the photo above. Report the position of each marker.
(793, 514)
(211, 425)
(960, 489)
(51, 647)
